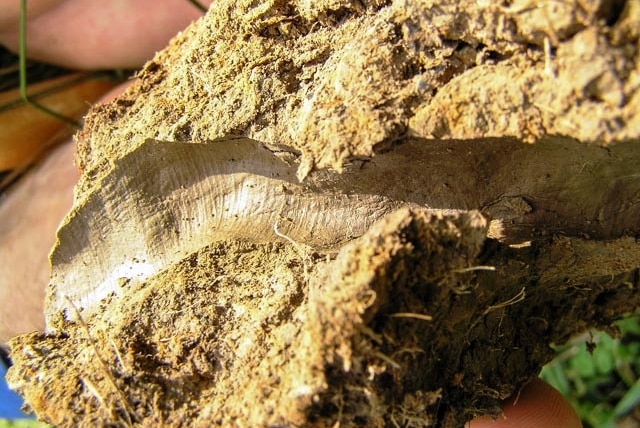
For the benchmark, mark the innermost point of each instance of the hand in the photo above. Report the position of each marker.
(538, 405)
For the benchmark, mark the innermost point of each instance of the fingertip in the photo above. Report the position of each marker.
(537, 405)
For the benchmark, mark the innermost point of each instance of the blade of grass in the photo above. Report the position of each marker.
(556, 376)
(630, 400)
(22, 54)
(198, 5)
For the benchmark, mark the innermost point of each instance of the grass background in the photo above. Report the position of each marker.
(600, 375)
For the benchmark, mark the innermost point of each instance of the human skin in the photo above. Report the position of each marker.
(537, 405)
(94, 34)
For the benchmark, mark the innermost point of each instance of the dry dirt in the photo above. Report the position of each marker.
(346, 213)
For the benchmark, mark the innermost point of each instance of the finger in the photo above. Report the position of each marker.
(102, 34)
(538, 405)
(10, 12)
(29, 214)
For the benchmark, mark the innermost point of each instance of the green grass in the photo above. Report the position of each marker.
(21, 423)
(600, 375)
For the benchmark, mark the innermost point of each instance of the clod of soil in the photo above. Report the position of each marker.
(319, 213)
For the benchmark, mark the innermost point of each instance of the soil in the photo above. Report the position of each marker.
(353, 213)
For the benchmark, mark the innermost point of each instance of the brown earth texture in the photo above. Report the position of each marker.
(345, 213)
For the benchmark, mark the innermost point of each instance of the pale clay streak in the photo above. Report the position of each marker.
(164, 201)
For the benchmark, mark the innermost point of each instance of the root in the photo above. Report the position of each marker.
(129, 412)
(512, 301)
